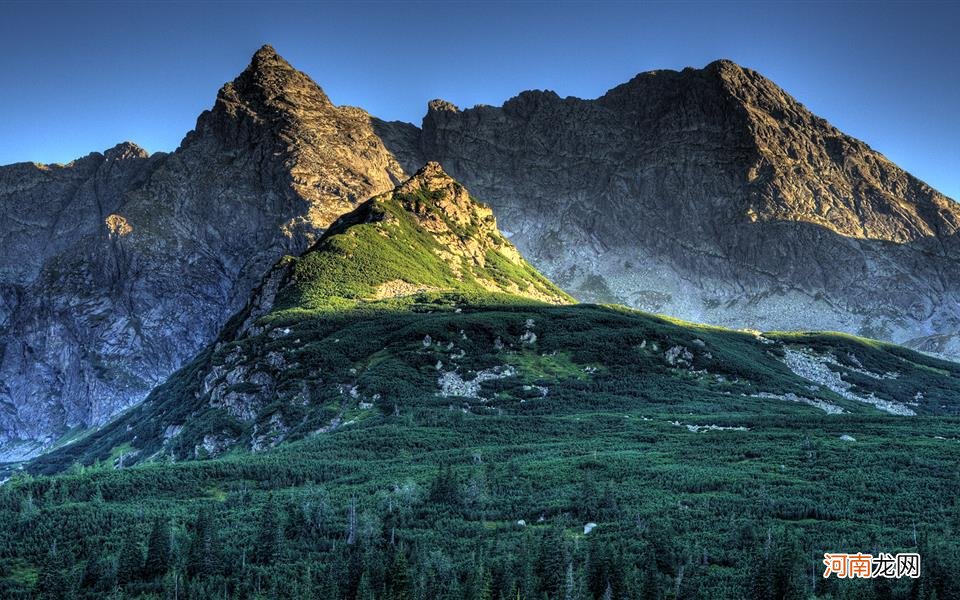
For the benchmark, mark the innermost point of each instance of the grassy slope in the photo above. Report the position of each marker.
(604, 430)
(383, 241)
(607, 443)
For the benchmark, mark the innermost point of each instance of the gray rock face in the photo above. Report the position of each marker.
(714, 196)
(117, 267)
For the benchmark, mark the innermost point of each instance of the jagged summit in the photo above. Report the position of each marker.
(328, 157)
(268, 79)
(734, 205)
(440, 104)
(271, 73)
(724, 64)
(267, 55)
(444, 198)
(125, 150)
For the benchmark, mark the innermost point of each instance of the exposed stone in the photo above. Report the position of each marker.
(540, 389)
(452, 384)
(703, 428)
(827, 407)
(678, 356)
(816, 368)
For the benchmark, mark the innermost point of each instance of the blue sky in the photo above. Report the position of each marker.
(79, 77)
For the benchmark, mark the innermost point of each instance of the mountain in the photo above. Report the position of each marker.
(416, 295)
(119, 266)
(426, 238)
(410, 407)
(712, 195)
(707, 194)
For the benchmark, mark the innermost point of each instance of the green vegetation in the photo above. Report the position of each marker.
(385, 240)
(434, 486)
(454, 439)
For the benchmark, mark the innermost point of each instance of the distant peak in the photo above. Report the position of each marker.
(266, 58)
(269, 77)
(725, 72)
(732, 72)
(723, 64)
(431, 235)
(438, 105)
(266, 51)
(125, 150)
(430, 171)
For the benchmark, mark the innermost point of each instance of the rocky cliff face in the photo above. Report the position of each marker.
(117, 267)
(714, 196)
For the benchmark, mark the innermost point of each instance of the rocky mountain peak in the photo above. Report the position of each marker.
(438, 105)
(118, 267)
(124, 151)
(267, 56)
(430, 177)
(734, 204)
(426, 235)
(326, 158)
(268, 79)
(435, 191)
(724, 66)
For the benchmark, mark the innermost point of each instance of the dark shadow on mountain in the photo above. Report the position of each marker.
(402, 140)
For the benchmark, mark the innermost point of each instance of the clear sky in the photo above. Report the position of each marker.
(79, 77)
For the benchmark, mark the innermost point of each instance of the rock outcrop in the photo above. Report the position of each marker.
(117, 267)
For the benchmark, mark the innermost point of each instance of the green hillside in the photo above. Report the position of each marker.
(409, 410)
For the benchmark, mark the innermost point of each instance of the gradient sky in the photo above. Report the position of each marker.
(79, 77)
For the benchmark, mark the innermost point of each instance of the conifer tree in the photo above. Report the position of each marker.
(551, 562)
(203, 558)
(51, 580)
(788, 579)
(445, 487)
(481, 584)
(158, 550)
(130, 559)
(269, 540)
(651, 584)
(365, 588)
(398, 578)
(352, 522)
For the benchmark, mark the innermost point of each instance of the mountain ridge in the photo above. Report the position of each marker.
(722, 217)
(426, 241)
(160, 249)
(414, 303)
